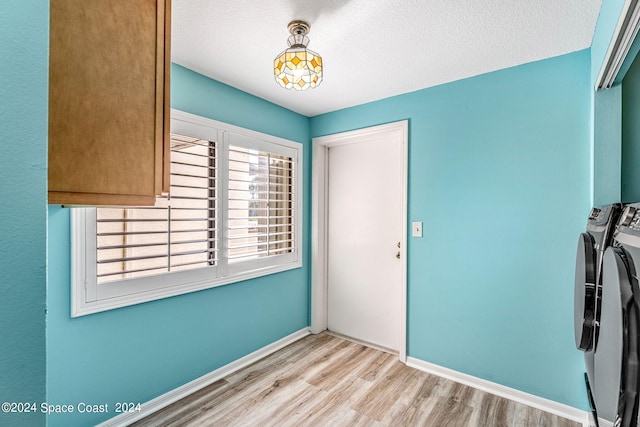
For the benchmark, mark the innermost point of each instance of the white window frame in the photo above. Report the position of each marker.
(87, 296)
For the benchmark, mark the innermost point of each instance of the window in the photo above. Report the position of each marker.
(179, 233)
(233, 213)
(259, 205)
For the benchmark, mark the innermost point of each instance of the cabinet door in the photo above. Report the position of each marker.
(109, 101)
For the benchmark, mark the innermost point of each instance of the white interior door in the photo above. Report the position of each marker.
(364, 234)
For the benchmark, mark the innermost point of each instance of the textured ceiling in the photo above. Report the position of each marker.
(373, 49)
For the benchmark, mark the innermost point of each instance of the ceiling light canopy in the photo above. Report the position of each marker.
(298, 67)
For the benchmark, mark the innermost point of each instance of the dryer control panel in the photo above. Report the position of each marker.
(628, 228)
(602, 216)
(601, 223)
(594, 214)
(630, 217)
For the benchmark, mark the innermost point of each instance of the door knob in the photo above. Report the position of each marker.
(398, 255)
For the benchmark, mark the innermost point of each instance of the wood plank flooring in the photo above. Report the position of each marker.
(323, 380)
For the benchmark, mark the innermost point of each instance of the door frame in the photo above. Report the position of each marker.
(319, 194)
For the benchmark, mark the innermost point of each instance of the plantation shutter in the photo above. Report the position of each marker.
(260, 204)
(179, 233)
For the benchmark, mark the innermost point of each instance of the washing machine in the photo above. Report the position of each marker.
(591, 246)
(588, 284)
(616, 361)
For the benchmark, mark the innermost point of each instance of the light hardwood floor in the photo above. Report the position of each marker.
(323, 380)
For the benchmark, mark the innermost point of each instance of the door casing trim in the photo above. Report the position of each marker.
(319, 177)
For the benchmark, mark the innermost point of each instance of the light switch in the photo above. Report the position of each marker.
(416, 229)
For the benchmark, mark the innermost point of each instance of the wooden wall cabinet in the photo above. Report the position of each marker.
(109, 101)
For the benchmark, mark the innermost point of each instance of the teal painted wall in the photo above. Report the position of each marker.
(606, 112)
(499, 173)
(24, 49)
(607, 146)
(138, 353)
(631, 134)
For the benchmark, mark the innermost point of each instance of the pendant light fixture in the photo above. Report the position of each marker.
(298, 67)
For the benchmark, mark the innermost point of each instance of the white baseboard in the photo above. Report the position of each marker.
(543, 404)
(176, 394)
(181, 392)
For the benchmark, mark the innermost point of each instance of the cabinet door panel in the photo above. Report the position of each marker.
(107, 88)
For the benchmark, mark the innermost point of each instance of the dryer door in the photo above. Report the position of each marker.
(584, 301)
(615, 388)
